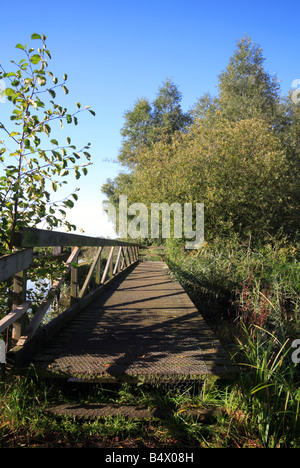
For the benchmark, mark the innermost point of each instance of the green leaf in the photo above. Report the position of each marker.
(69, 118)
(19, 46)
(9, 92)
(35, 59)
(92, 112)
(54, 142)
(47, 129)
(41, 80)
(37, 141)
(69, 203)
(66, 91)
(50, 91)
(36, 36)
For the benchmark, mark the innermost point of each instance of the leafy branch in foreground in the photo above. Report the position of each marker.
(30, 170)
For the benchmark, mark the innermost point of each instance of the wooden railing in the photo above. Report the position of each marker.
(152, 251)
(103, 268)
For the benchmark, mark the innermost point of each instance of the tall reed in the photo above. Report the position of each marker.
(270, 385)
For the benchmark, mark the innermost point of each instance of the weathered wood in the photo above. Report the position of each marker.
(153, 247)
(153, 251)
(19, 296)
(2, 353)
(14, 263)
(52, 294)
(90, 273)
(111, 264)
(129, 255)
(107, 266)
(73, 256)
(40, 313)
(98, 270)
(117, 265)
(146, 329)
(74, 276)
(14, 315)
(124, 261)
(31, 237)
(20, 354)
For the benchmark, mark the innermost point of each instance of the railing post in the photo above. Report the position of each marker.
(118, 262)
(111, 266)
(98, 271)
(74, 280)
(19, 296)
(2, 360)
(107, 266)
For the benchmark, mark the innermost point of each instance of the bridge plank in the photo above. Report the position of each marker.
(146, 328)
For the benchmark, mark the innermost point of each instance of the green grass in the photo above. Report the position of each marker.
(260, 409)
(250, 297)
(24, 422)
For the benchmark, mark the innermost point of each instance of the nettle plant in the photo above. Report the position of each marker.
(33, 164)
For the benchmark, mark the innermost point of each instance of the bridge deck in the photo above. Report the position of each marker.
(145, 328)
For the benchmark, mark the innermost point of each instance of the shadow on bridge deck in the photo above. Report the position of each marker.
(144, 328)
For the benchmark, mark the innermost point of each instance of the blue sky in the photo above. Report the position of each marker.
(116, 52)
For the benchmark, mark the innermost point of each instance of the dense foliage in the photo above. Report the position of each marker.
(240, 157)
(34, 166)
(33, 162)
(238, 154)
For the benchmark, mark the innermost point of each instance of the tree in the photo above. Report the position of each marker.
(167, 112)
(146, 123)
(136, 130)
(205, 108)
(246, 90)
(31, 170)
(238, 169)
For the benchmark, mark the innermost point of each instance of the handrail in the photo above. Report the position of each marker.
(15, 266)
(12, 263)
(32, 237)
(152, 251)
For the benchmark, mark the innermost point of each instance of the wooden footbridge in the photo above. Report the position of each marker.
(125, 320)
